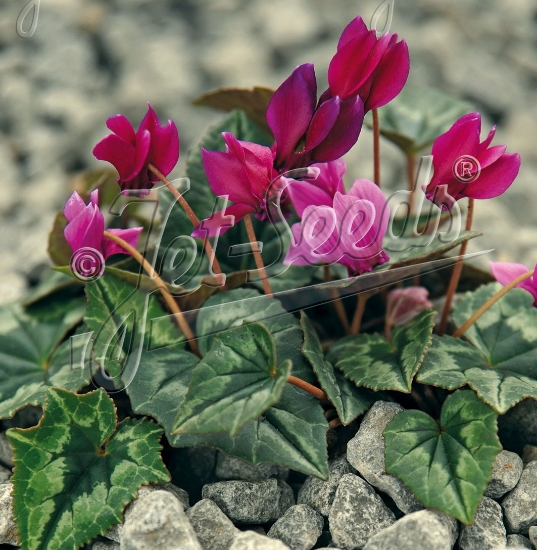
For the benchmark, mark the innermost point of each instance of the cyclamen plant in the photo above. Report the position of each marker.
(173, 336)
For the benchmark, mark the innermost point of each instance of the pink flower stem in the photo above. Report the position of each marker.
(257, 255)
(456, 274)
(190, 213)
(338, 305)
(489, 303)
(306, 386)
(359, 313)
(161, 286)
(376, 146)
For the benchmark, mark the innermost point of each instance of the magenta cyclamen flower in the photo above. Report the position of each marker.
(507, 272)
(86, 227)
(374, 68)
(349, 232)
(243, 174)
(465, 167)
(406, 303)
(132, 152)
(306, 132)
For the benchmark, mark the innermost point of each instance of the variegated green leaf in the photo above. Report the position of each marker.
(349, 401)
(77, 470)
(370, 360)
(237, 381)
(500, 361)
(446, 465)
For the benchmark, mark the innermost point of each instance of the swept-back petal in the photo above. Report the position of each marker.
(322, 122)
(355, 28)
(130, 236)
(121, 126)
(73, 207)
(222, 221)
(118, 152)
(495, 179)
(164, 149)
(86, 229)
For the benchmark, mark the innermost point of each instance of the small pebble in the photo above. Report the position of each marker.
(487, 530)
(228, 468)
(518, 541)
(357, 513)
(533, 535)
(158, 521)
(213, 528)
(251, 502)
(299, 527)
(105, 546)
(423, 530)
(507, 470)
(248, 540)
(520, 505)
(6, 452)
(8, 529)
(319, 494)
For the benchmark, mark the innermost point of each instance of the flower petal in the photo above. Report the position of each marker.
(117, 152)
(130, 236)
(322, 122)
(73, 207)
(164, 151)
(495, 179)
(86, 229)
(222, 221)
(121, 126)
(355, 28)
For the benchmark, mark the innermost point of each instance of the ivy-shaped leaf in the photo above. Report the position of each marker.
(446, 465)
(370, 360)
(124, 321)
(417, 116)
(33, 357)
(350, 402)
(500, 361)
(237, 381)
(76, 471)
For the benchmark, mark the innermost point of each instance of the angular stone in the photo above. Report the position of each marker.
(423, 530)
(507, 470)
(488, 529)
(213, 528)
(8, 529)
(357, 513)
(105, 546)
(5, 474)
(518, 541)
(366, 453)
(6, 452)
(533, 535)
(114, 533)
(251, 502)
(158, 521)
(231, 468)
(520, 505)
(248, 540)
(299, 527)
(319, 494)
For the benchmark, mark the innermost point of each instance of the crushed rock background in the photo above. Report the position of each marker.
(90, 59)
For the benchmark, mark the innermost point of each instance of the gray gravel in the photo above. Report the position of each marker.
(213, 528)
(6, 452)
(422, 530)
(507, 470)
(251, 502)
(249, 540)
(533, 535)
(89, 59)
(158, 521)
(299, 527)
(8, 529)
(357, 513)
(319, 494)
(366, 453)
(228, 467)
(520, 505)
(518, 541)
(487, 530)
(105, 546)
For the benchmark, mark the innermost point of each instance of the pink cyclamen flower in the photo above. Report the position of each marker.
(374, 68)
(306, 132)
(406, 303)
(349, 232)
(86, 227)
(132, 152)
(465, 167)
(506, 272)
(243, 174)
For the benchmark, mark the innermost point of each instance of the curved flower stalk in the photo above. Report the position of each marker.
(465, 167)
(349, 232)
(506, 272)
(85, 228)
(132, 152)
(376, 69)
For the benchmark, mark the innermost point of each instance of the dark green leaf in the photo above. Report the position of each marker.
(349, 401)
(32, 357)
(447, 466)
(417, 116)
(236, 381)
(500, 362)
(76, 471)
(370, 360)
